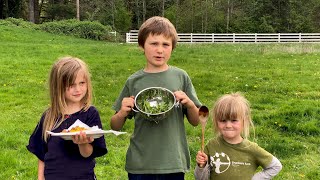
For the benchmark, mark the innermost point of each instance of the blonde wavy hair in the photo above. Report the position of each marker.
(63, 74)
(232, 106)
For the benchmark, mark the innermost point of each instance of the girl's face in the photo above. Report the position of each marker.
(157, 50)
(231, 130)
(75, 93)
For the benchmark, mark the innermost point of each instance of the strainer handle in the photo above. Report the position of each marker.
(135, 110)
(177, 104)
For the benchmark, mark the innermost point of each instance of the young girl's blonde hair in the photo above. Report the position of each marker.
(63, 74)
(230, 107)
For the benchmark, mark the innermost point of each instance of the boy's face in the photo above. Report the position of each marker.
(157, 50)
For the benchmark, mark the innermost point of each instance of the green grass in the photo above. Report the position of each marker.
(280, 80)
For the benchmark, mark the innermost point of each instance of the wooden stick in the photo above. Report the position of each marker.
(202, 139)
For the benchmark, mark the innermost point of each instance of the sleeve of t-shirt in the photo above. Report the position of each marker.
(270, 171)
(202, 173)
(99, 144)
(37, 145)
(263, 157)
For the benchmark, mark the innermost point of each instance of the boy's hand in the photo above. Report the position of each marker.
(201, 159)
(126, 106)
(119, 118)
(184, 99)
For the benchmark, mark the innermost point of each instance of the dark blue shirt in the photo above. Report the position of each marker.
(61, 157)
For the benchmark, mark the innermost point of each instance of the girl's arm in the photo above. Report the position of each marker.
(40, 170)
(270, 171)
(202, 173)
(85, 148)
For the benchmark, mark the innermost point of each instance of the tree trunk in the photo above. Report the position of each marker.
(40, 9)
(37, 12)
(1, 9)
(192, 15)
(31, 11)
(163, 2)
(228, 16)
(6, 9)
(138, 14)
(144, 10)
(177, 14)
(201, 17)
(206, 17)
(113, 7)
(78, 9)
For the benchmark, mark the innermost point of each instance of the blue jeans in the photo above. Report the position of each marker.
(173, 176)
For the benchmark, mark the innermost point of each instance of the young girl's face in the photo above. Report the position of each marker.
(157, 49)
(77, 90)
(231, 130)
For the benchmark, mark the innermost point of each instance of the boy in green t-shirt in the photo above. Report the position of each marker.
(231, 155)
(158, 150)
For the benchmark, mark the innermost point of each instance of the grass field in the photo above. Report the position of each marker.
(280, 80)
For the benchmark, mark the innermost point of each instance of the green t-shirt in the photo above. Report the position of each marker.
(235, 161)
(158, 148)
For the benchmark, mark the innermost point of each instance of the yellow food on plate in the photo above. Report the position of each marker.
(74, 129)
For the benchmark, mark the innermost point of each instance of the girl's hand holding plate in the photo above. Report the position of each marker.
(82, 138)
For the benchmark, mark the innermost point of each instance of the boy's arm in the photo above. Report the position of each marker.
(272, 170)
(119, 118)
(193, 114)
(40, 170)
(192, 110)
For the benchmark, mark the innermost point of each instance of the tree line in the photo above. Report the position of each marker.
(189, 16)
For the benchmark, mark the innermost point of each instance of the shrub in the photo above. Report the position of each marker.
(82, 29)
(18, 22)
(72, 27)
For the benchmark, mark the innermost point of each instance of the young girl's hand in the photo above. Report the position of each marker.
(201, 159)
(183, 99)
(82, 138)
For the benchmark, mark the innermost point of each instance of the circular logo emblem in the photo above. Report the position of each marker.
(221, 162)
